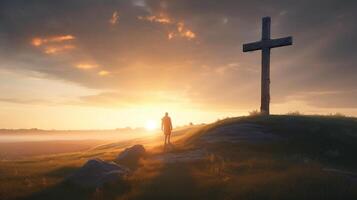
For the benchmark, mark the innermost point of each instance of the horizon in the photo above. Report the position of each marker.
(156, 128)
(138, 59)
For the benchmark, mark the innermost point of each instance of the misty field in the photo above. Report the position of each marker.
(306, 157)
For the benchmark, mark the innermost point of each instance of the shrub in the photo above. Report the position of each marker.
(295, 113)
(254, 113)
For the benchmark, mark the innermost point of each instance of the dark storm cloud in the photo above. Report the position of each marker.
(139, 56)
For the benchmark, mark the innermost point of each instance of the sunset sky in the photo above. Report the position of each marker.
(91, 64)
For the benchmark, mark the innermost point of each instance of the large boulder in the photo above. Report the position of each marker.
(130, 156)
(96, 173)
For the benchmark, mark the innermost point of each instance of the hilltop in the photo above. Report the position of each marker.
(257, 157)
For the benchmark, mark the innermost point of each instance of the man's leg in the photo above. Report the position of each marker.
(169, 136)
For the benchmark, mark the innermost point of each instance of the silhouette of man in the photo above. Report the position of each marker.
(166, 127)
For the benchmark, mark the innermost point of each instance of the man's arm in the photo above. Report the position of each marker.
(170, 124)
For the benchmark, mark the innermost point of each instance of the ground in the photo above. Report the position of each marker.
(257, 157)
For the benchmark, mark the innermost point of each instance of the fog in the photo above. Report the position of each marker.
(71, 135)
(19, 144)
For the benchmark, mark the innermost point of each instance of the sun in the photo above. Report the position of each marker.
(150, 125)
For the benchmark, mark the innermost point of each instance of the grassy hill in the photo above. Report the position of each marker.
(304, 157)
(327, 139)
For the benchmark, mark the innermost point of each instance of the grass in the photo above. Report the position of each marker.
(289, 168)
(246, 174)
(25, 177)
(328, 139)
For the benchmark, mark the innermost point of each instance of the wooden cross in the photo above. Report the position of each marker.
(265, 45)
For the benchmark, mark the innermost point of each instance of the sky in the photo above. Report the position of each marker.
(90, 64)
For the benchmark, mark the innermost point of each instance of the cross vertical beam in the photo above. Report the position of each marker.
(265, 44)
(265, 79)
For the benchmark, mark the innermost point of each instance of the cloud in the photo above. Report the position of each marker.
(138, 52)
(162, 19)
(103, 73)
(181, 33)
(329, 99)
(184, 32)
(27, 101)
(86, 66)
(58, 49)
(54, 44)
(229, 68)
(131, 99)
(170, 35)
(115, 18)
(225, 20)
(188, 34)
(181, 29)
(139, 3)
(38, 41)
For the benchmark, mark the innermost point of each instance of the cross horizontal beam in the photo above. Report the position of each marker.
(280, 42)
(271, 43)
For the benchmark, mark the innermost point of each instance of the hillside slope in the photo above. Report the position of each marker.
(275, 157)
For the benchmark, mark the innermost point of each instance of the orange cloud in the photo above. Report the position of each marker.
(53, 44)
(184, 32)
(103, 73)
(189, 34)
(162, 19)
(114, 19)
(61, 38)
(38, 41)
(86, 66)
(181, 30)
(57, 49)
(180, 26)
(171, 35)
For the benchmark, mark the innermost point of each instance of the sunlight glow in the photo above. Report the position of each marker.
(150, 125)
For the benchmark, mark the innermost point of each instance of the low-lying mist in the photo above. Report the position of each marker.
(19, 144)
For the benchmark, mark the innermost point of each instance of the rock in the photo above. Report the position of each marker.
(131, 155)
(96, 173)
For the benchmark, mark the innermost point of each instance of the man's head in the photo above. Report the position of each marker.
(166, 114)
